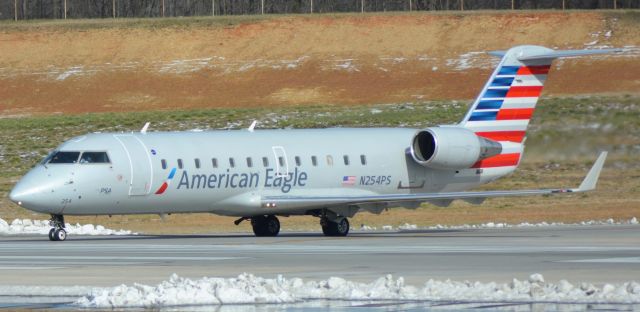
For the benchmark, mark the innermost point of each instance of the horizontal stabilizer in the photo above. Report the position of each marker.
(500, 53)
(565, 53)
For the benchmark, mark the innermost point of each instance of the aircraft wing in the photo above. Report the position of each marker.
(309, 202)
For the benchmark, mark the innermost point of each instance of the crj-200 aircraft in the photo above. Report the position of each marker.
(327, 173)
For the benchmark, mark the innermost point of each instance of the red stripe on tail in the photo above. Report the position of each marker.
(501, 160)
(529, 91)
(514, 114)
(512, 136)
(534, 70)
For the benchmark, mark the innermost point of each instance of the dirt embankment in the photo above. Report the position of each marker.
(89, 66)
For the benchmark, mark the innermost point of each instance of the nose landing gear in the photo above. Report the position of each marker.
(265, 225)
(57, 233)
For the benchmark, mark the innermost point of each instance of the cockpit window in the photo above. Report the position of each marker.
(94, 158)
(64, 158)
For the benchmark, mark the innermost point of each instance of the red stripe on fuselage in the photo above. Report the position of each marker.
(514, 114)
(528, 91)
(502, 160)
(512, 136)
(162, 188)
(534, 70)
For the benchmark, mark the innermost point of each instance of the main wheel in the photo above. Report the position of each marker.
(265, 225)
(339, 227)
(60, 235)
(52, 236)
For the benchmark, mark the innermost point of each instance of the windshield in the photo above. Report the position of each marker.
(64, 158)
(94, 158)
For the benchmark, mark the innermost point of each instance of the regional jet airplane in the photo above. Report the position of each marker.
(331, 174)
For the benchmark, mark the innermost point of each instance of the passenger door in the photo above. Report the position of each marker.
(282, 165)
(141, 171)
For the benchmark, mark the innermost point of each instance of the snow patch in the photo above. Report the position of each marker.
(76, 70)
(249, 289)
(500, 225)
(472, 60)
(28, 226)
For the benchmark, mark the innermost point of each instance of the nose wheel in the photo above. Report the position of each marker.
(57, 233)
(265, 225)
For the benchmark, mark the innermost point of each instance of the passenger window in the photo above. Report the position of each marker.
(64, 158)
(281, 161)
(94, 158)
(265, 162)
(180, 166)
(363, 160)
(197, 161)
(249, 162)
(329, 160)
(164, 164)
(314, 161)
(298, 161)
(214, 162)
(232, 162)
(346, 160)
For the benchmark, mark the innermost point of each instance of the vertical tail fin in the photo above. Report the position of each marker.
(504, 107)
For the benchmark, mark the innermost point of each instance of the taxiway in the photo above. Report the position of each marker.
(596, 254)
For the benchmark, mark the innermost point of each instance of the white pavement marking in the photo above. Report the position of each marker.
(607, 260)
(70, 257)
(27, 268)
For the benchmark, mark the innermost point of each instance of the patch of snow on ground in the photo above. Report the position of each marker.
(70, 72)
(249, 289)
(344, 64)
(28, 226)
(498, 225)
(472, 60)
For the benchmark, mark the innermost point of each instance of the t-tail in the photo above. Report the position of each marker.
(503, 109)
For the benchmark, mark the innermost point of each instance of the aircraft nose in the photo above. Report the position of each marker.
(20, 192)
(29, 194)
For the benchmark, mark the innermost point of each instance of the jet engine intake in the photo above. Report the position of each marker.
(451, 148)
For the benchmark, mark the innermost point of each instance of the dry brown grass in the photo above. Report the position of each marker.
(103, 50)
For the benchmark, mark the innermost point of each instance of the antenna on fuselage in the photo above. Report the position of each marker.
(253, 126)
(145, 127)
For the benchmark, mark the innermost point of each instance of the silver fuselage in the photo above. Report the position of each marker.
(347, 162)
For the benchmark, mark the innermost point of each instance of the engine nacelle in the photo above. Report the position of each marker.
(451, 148)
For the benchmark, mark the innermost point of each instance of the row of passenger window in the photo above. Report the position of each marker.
(265, 161)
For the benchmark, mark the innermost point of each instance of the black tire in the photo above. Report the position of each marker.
(52, 235)
(60, 235)
(266, 225)
(335, 228)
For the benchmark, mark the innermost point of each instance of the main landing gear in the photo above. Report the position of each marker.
(57, 233)
(337, 227)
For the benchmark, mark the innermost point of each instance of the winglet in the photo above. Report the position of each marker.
(589, 182)
(252, 126)
(144, 128)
